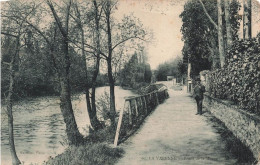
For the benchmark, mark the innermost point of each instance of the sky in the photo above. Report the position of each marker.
(162, 17)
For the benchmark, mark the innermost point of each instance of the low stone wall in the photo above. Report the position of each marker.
(244, 125)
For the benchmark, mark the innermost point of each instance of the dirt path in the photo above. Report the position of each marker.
(173, 134)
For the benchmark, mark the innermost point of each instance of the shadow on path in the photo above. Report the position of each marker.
(173, 134)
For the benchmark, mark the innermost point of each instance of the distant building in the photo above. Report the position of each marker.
(170, 78)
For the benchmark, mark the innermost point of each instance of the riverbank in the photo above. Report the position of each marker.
(96, 150)
(102, 139)
(39, 127)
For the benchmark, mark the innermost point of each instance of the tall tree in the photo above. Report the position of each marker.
(97, 17)
(129, 30)
(219, 27)
(108, 9)
(198, 32)
(14, 30)
(228, 23)
(221, 43)
(91, 96)
(247, 19)
(72, 131)
(9, 99)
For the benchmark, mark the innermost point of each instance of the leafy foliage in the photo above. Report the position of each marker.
(200, 36)
(198, 32)
(239, 79)
(171, 68)
(135, 74)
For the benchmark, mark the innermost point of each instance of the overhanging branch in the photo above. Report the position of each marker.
(8, 34)
(134, 37)
(206, 12)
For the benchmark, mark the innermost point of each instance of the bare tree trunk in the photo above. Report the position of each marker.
(112, 93)
(89, 108)
(72, 131)
(228, 24)
(247, 19)
(97, 124)
(9, 101)
(220, 35)
(219, 27)
(109, 66)
(214, 53)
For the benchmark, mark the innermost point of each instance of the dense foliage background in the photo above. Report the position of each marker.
(135, 73)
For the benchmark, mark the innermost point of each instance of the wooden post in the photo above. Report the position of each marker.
(130, 113)
(150, 102)
(136, 107)
(141, 105)
(145, 106)
(157, 99)
(119, 125)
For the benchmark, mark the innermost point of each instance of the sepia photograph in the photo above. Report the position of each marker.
(130, 82)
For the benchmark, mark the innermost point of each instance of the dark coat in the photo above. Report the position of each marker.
(198, 91)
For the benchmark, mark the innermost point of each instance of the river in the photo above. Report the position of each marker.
(39, 128)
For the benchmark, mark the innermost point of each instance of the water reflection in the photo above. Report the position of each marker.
(39, 128)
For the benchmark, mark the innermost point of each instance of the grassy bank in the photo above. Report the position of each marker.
(98, 154)
(94, 151)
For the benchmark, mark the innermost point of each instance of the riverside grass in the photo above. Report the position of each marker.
(94, 150)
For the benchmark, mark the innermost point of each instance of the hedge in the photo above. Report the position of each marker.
(239, 79)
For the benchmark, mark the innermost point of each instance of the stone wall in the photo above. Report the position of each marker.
(244, 125)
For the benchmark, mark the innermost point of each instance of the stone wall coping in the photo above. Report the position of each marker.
(232, 105)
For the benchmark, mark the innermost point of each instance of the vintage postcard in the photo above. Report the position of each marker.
(130, 82)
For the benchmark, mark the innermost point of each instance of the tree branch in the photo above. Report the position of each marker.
(6, 63)
(8, 34)
(211, 20)
(134, 37)
(57, 19)
(40, 32)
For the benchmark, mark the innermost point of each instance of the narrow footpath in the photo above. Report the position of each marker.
(173, 134)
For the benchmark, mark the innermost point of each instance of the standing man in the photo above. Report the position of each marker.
(199, 89)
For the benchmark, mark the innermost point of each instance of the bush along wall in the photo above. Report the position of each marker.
(239, 79)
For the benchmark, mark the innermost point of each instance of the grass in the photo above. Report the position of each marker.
(232, 144)
(92, 154)
(94, 151)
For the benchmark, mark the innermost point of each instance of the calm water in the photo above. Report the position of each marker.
(39, 128)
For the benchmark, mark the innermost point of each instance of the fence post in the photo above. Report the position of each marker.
(130, 113)
(150, 100)
(145, 106)
(141, 105)
(157, 100)
(119, 126)
(136, 108)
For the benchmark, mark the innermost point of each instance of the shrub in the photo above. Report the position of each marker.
(239, 80)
